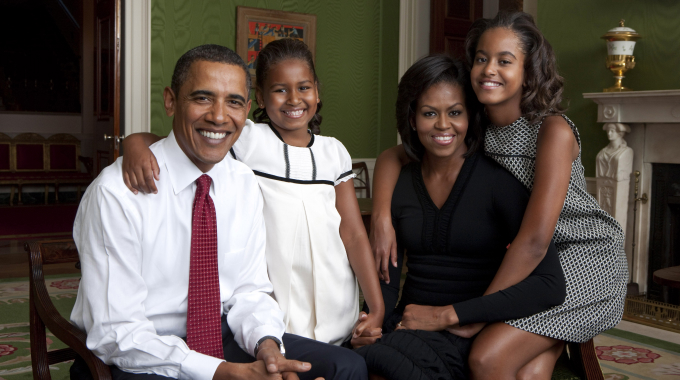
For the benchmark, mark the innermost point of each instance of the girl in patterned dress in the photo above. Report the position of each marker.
(316, 240)
(514, 75)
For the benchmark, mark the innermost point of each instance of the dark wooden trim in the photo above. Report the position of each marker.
(43, 315)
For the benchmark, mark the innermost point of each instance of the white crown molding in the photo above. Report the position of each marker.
(137, 44)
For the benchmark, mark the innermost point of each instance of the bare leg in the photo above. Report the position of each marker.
(500, 351)
(543, 365)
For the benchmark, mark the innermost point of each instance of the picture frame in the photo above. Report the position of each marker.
(256, 27)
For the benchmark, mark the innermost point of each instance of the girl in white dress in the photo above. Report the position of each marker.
(316, 241)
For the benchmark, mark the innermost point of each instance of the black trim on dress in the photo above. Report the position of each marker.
(285, 157)
(345, 174)
(299, 181)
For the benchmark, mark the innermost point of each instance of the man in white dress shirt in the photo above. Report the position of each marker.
(135, 250)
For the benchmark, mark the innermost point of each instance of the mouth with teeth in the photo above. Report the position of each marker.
(294, 114)
(443, 139)
(488, 84)
(212, 135)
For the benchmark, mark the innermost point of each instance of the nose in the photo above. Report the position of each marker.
(293, 97)
(442, 123)
(489, 68)
(218, 113)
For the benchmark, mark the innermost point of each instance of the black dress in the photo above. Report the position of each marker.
(453, 254)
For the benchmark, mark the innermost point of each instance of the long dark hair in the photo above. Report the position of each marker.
(424, 74)
(275, 52)
(543, 85)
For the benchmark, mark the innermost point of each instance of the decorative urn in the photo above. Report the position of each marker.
(620, 46)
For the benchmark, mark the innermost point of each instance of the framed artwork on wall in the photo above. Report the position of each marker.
(256, 27)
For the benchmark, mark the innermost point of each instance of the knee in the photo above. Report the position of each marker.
(348, 365)
(482, 364)
(487, 363)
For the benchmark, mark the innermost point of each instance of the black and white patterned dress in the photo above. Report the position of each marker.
(589, 242)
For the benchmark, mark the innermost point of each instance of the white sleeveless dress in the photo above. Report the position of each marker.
(589, 242)
(307, 262)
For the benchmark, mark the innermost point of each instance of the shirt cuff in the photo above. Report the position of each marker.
(260, 332)
(471, 311)
(198, 366)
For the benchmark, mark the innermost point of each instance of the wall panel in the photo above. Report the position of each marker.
(574, 28)
(356, 59)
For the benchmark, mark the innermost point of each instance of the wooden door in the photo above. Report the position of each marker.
(107, 71)
(449, 24)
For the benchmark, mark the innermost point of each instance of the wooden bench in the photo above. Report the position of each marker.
(30, 159)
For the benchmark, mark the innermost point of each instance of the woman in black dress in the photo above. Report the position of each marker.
(454, 212)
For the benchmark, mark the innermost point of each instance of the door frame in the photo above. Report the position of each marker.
(137, 81)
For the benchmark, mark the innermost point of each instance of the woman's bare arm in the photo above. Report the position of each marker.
(556, 150)
(382, 237)
(353, 235)
(140, 169)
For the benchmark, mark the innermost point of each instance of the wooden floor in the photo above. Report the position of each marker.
(14, 261)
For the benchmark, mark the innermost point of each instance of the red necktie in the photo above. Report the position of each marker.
(204, 330)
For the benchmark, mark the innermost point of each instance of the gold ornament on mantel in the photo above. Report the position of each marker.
(620, 45)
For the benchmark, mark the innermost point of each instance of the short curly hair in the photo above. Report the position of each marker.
(210, 53)
(543, 85)
(425, 73)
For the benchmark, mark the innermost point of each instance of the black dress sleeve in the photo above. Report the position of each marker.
(544, 288)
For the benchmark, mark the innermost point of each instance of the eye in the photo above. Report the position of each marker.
(504, 62)
(304, 88)
(202, 99)
(429, 114)
(480, 60)
(455, 113)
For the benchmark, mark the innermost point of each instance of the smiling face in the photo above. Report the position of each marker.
(498, 69)
(441, 120)
(290, 96)
(209, 111)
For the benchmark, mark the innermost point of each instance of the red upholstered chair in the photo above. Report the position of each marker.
(5, 156)
(29, 151)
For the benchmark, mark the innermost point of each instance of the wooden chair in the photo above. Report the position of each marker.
(584, 358)
(361, 182)
(44, 314)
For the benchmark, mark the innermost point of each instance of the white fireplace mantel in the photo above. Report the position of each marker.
(637, 106)
(654, 119)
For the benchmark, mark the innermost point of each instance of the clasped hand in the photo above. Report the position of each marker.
(270, 365)
(366, 330)
(436, 318)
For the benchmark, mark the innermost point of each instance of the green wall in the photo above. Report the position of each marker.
(574, 28)
(356, 59)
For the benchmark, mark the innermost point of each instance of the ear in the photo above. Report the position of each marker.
(412, 122)
(250, 103)
(259, 98)
(169, 101)
(316, 85)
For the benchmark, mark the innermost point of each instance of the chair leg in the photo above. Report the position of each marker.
(584, 357)
(56, 193)
(19, 203)
(41, 368)
(11, 195)
(46, 192)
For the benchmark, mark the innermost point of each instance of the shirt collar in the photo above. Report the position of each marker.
(181, 170)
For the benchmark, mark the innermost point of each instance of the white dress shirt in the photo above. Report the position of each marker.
(135, 252)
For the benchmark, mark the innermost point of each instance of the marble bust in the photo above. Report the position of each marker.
(615, 161)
